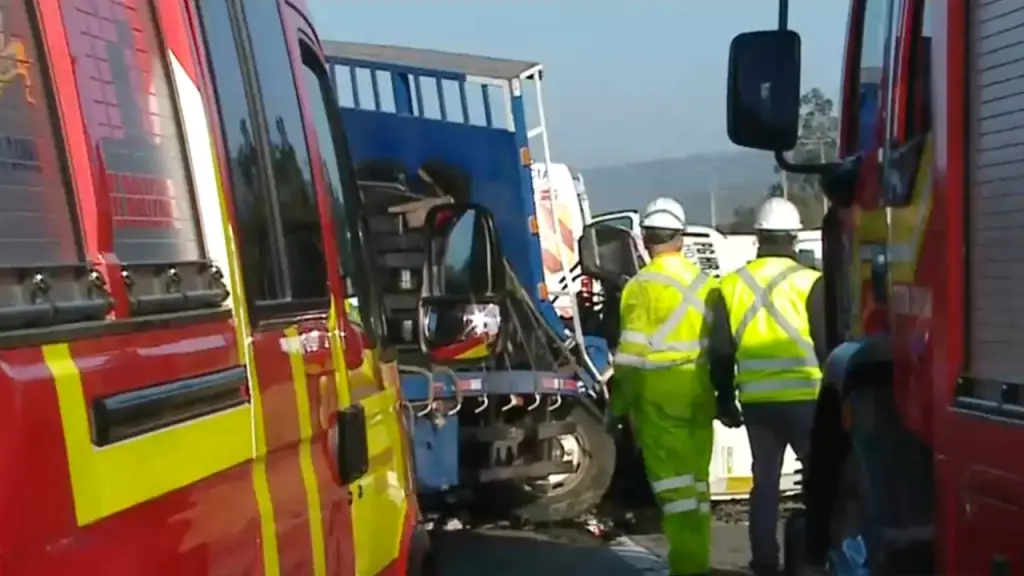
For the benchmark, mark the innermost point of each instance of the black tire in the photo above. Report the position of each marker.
(585, 489)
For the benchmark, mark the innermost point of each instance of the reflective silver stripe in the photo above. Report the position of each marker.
(779, 385)
(705, 508)
(642, 362)
(629, 360)
(763, 301)
(686, 505)
(690, 297)
(672, 483)
(635, 337)
(776, 364)
(702, 486)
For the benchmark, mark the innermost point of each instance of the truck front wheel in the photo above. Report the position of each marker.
(562, 497)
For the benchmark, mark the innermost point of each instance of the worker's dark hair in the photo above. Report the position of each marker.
(775, 241)
(659, 236)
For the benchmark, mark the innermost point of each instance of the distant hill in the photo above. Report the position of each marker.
(742, 178)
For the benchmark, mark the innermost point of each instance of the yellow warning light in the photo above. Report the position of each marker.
(524, 156)
(542, 291)
(532, 223)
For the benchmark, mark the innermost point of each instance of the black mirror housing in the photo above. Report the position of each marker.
(463, 307)
(608, 253)
(763, 96)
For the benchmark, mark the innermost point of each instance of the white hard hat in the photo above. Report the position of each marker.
(778, 215)
(664, 213)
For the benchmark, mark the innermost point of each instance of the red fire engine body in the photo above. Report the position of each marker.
(923, 397)
(177, 393)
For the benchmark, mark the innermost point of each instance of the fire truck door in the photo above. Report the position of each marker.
(863, 111)
(379, 511)
(297, 384)
(367, 374)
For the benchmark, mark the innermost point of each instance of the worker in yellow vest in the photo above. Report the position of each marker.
(776, 333)
(663, 383)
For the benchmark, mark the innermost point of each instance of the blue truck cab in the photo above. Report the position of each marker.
(442, 148)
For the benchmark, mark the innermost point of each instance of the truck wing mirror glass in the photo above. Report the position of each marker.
(463, 257)
(763, 95)
(609, 253)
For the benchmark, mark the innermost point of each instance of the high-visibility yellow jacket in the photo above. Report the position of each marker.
(775, 355)
(665, 325)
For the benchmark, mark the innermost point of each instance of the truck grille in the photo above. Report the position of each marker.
(701, 251)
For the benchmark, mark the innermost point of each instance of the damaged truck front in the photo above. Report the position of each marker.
(505, 396)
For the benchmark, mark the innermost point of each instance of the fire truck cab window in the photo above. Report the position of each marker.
(129, 109)
(872, 60)
(36, 226)
(304, 259)
(253, 202)
(335, 160)
(920, 120)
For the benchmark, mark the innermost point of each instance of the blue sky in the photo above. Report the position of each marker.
(625, 80)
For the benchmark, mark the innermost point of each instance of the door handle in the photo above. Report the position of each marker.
(355, 493)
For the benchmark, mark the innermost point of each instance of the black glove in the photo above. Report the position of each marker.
(729, 415)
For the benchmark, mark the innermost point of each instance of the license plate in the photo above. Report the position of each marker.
(739, 484)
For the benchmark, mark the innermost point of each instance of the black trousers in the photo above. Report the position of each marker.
(771, 427)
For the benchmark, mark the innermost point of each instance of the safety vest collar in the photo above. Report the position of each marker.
(666, 258)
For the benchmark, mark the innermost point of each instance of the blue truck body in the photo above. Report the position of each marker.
(479, 125)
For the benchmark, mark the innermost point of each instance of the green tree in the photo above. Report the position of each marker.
(818, 142)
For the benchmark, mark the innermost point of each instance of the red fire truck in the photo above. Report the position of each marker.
(923, 398)
(177, 393)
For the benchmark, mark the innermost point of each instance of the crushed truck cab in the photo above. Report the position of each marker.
(505, 393)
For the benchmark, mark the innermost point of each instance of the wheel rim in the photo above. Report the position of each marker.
(572, 448)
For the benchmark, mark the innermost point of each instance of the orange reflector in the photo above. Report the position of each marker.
(524, 156)
(542, 291)
(532, 223)
(846, 415)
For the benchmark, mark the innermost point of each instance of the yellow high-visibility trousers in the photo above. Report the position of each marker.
(673, 424)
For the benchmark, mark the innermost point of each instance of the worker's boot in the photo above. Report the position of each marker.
(764, 570)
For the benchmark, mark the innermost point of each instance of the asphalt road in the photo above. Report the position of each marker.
(572, 550)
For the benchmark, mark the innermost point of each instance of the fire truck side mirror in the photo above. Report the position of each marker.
(763, 96)
(609, 253)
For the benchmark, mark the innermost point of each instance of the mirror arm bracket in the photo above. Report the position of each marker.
(819, 169)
